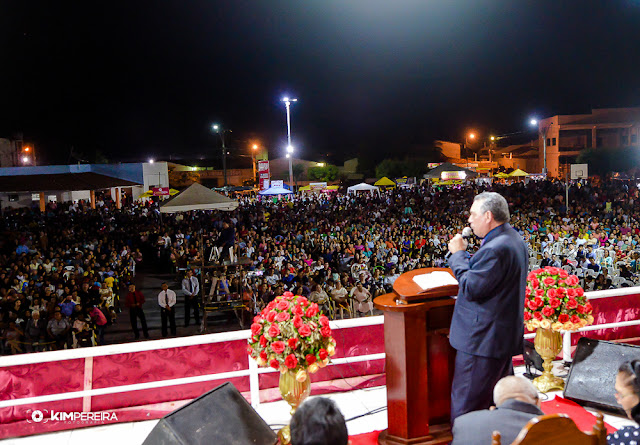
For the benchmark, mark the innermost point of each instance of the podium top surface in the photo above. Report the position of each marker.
(408, 290)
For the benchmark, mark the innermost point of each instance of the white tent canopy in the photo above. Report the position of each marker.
(198, 197)
(276, 191)
(363, 187)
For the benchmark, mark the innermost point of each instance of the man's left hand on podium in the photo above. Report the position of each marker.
(457, 243)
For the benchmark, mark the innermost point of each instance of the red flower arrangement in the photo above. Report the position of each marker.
(291, 334)
(555, 300)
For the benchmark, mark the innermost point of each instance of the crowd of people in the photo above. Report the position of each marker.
(339, 250)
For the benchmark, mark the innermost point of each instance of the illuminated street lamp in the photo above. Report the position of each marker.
(287, 101)
(220, 132)
(253, 160)
(543, 131)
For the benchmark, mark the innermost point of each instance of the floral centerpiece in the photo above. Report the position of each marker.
(294, 337)
(554, 302)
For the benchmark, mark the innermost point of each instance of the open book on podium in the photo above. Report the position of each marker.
(425, 284)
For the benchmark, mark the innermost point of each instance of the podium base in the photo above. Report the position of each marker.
(438, 434)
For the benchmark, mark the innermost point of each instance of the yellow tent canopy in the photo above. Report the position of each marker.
(333, 187)
(385, 182)
(149, 193)
(501, 175)
(518, 172)
(306, 188)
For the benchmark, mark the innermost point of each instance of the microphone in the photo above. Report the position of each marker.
(466, 234)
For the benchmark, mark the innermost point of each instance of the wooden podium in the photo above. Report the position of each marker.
(419, 361)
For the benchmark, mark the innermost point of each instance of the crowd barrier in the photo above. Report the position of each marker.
(146, 380)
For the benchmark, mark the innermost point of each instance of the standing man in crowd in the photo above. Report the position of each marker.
(191, 289)
(167, 301)
(134, 301)
(487, 324)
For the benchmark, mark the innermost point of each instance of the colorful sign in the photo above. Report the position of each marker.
(457, 175)
(160, 191)
(263, 174)
(317, 185)
(279, 183)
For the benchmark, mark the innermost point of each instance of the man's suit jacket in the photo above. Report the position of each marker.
(509, 418)
(488, 315)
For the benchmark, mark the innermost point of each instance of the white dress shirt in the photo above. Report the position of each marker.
(167, 297)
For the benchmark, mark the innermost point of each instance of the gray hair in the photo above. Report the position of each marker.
(514, 387)
(496, 204)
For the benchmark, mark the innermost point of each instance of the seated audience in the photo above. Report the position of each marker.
(628, 396)
(318, 421)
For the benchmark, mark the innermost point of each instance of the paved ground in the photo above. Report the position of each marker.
(149, 284)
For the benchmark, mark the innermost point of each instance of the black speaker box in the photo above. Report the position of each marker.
(221, 416)
(593, 373)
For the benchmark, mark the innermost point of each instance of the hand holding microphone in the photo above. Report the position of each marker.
(459, 242)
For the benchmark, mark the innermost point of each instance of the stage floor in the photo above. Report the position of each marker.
(352, 404)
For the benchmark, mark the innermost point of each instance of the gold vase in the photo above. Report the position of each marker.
(548, 344)
(294, 393)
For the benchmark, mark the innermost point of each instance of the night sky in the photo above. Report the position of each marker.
(140, 79)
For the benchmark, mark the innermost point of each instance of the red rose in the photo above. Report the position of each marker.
(527, 291)
(547, 311)
(535, 283)
(532, 305)
(588, 308)
(537, 315)
(571, 292)
(580, 309)
(579, 292)
(257, 319)
(297, 322)
(274, 330)
(322, 354)
(292, 342)
(572, 280)
(575, 319)
(553, 270)
(282, 305)
(256, 328)
(324, 321)
(572, 303)
(287, 294)
(263, 341)
(297, 310)
(552, 293)
(325, 331)
(539, 302)
(312, 310)
(274, 364)
(554, 303)
(549, 281)
(304, 330)
(283, 316)
(563, 274)
(539, 293)
(531, 276)
(563, 318)
(311, 359)
(291, 361)
(527, 316)
(271, 316)
(537, 271)
(277, 347)
(263, 355)
(271, 305)
(561, 292)
(302, 301)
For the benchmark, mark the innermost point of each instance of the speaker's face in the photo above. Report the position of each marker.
(625, 395)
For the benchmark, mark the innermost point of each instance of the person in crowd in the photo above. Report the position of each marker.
(134, 301)
(318, 421)
(362, 298)
(627, 392)
(58, 330)
(167, 301)
(516, 402)
(487, 324)
(99, 320)
(191, 290)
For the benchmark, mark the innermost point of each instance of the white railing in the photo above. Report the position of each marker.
(253, 370)
(595, 295)
(88, 355)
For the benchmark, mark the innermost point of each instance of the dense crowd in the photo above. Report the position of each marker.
(62, 271)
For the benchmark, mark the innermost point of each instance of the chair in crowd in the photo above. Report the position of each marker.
(568, 268)
(347, 307)
(557, 429)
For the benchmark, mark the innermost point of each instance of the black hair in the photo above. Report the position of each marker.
(632, 369)
(318, 422)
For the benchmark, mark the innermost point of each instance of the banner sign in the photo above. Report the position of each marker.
(279, 183)
(457, 175)
(263, 174)
(160, 191)
(317, 185)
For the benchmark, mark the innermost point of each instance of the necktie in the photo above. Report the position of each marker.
(166, 301)
(190, 286)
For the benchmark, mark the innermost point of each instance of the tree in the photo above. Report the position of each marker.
(327, 173)
(299, 172)
(394, 168)
(606, 160)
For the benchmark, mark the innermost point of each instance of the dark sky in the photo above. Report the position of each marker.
(136, 79)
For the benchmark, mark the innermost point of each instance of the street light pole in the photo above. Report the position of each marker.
(543, 131)
(253, 161)
(287, 102)
(220, 132)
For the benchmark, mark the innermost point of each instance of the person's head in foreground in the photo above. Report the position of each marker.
(628, 389)
(318, 422)
(515, 387)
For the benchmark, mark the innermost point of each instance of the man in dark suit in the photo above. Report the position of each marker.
(517, 402)
(487, 324)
